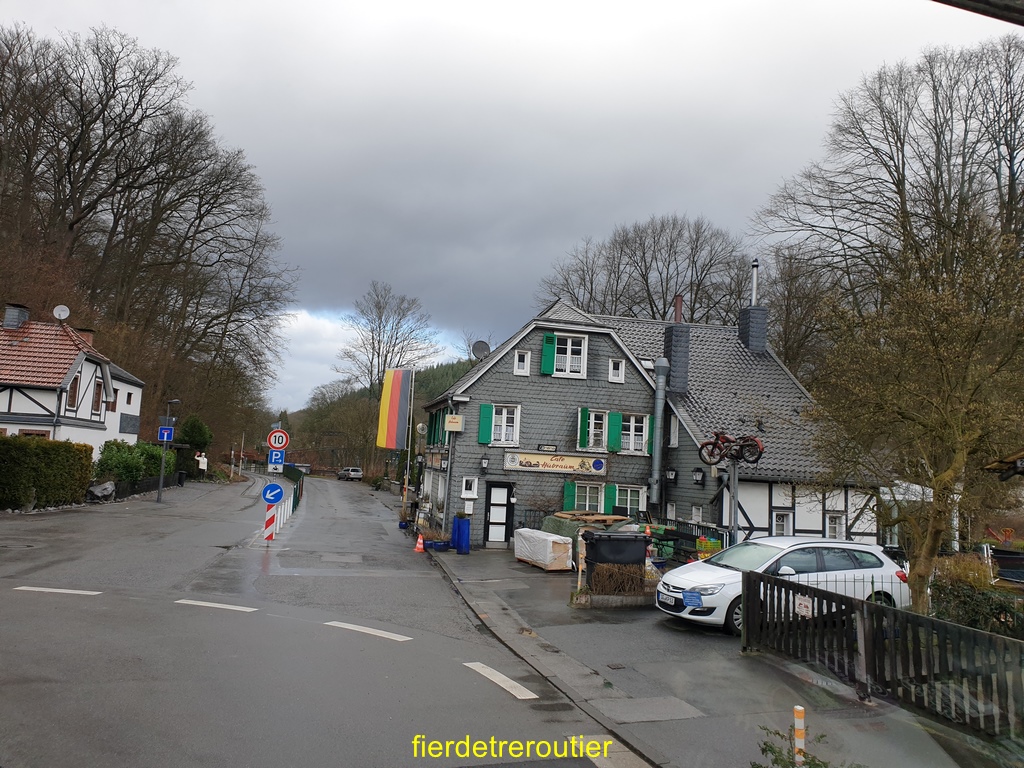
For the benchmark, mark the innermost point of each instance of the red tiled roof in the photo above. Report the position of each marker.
(39, 354)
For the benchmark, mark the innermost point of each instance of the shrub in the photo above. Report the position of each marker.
(962, 593)
(43, 473)
(122, 462)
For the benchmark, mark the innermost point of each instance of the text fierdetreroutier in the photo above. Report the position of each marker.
(574, 746)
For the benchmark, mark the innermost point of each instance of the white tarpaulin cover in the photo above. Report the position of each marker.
(545, 550)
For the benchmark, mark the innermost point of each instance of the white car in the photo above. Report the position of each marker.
(709, 591)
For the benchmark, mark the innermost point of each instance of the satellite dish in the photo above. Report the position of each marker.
(421, 429)
(61, 312)
(481, 349)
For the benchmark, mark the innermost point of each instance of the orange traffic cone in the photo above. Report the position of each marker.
(419, 544)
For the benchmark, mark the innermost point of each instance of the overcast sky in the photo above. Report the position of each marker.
(455, 149)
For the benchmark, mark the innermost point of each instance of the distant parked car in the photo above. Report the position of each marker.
(710, 591)
(350, 473)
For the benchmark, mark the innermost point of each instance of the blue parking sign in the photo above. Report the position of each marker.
(275, 456)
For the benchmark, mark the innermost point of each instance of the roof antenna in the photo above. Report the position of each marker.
(753, 284)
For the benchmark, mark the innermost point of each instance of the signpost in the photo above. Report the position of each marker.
(272, 494)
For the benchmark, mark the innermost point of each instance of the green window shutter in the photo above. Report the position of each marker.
(614, 431)
(611, 497)
(650, 435)
(569, 496)
(547, 355)
(584, 428)
(486, 423)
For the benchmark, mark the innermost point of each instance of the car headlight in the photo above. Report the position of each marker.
(709, 589)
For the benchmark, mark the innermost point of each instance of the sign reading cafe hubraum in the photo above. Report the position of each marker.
(546, 462)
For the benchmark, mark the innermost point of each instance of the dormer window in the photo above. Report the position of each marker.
(564, 355)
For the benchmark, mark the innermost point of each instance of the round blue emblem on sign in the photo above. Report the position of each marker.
(598, 465)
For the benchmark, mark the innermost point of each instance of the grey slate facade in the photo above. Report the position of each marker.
(720, 378)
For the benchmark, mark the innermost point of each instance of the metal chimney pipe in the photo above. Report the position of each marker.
(677, 306)
(753, 285)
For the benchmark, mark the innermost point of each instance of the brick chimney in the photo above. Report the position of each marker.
(85, 333)
(754, 319)
(15, 315)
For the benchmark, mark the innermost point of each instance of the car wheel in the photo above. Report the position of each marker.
(734, 617)
(882, 599)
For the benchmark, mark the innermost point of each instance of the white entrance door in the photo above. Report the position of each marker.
(498, 512)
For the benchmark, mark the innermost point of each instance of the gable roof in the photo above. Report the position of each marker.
(37, 354)
(557, 316)
(735, 390)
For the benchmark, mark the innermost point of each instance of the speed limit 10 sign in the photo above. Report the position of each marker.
(278, 439)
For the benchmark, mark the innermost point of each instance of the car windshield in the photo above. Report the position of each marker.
(746, 556)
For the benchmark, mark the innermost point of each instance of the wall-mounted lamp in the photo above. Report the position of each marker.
(698, 476)
(484, 461)
(444, 465)
(512, 496)
(670, 475)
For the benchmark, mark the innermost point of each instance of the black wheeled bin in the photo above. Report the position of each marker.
(615, 547)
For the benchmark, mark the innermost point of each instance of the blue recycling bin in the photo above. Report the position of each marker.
(460, 535)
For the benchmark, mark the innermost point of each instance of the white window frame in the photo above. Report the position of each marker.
(617, 377)
(521, 356)
(603, 444)
(513, 410)
(469, 487)
(566, 371)
(632, 421)
(673, 431)
(594, 496)
(785, 519)
(629, 490)
(834, 525)
(670, 510)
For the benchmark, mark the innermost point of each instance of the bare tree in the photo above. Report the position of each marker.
(912, 225)
(640, 269)
(392, 331)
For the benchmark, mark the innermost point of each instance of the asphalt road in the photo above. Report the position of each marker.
(334, 646)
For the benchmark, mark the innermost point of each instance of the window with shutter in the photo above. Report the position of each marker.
(615, 431)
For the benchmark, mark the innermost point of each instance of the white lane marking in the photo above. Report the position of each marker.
(507, 683)
(368, 631)
(217, 605)
(61, 591)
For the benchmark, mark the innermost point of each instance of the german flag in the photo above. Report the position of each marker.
(395, 397)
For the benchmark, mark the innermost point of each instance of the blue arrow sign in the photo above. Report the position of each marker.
(165, 434)
(272, 493)
(275, 456)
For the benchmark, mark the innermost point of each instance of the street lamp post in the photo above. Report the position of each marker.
(163, 452)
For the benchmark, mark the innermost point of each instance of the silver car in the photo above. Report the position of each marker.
(710, 591)
(350, 473)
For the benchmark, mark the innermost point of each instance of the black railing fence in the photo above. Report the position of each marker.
(971, 679)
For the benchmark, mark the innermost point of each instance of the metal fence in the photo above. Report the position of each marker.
(971, 679)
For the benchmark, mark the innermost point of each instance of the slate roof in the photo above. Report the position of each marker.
(737, 391)
(730, 388)
(37, 354)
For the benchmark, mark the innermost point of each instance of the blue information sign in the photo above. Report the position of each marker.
(275, 456)
(272, 493)
(165, 434)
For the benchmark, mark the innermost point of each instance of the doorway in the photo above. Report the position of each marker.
(498, 515)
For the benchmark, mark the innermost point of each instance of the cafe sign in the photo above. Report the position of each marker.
(547, 462)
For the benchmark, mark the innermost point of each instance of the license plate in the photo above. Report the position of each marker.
(666, 599)
(693, 600)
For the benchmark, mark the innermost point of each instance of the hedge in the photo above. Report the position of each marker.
(43, 473)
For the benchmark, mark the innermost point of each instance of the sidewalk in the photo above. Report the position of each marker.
(688, 699)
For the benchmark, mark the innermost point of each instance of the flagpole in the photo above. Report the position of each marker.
(408, 438)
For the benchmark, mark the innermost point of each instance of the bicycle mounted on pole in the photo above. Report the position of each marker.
(724, 446)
